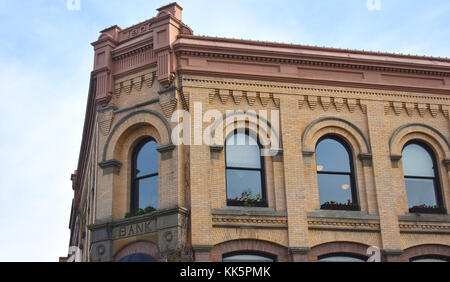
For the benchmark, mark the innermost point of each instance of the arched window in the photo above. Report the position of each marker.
(144, 177)
(430, 258)
(341, 257)
(335, 174)
(248, 257)
(244, 171)
(137, 258)
(421, 178)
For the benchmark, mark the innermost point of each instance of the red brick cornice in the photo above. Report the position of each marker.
(308, 62)
(311, 48)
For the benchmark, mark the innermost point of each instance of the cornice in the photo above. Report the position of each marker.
(313, 48)
(308, 62)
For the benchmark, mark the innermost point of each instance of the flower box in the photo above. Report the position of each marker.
(427, 209)
(339, 206)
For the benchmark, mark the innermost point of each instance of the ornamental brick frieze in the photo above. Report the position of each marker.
(237, 96)
(224, 221)
(416, 109)
(332, 224)
(339, 94)
(168, 104)
(105, 118)
(137, 83)
(424, 228)
(327, 103)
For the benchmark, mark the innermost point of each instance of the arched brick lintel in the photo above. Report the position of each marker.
(349, 248)
(159, 122)
(259, 246)
(426, 250)
(400, 136)
(351, 133)
(142, 247)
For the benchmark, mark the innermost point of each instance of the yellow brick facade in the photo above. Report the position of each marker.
(193, 221)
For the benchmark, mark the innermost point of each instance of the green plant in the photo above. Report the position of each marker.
(250, 200)
(149, 209)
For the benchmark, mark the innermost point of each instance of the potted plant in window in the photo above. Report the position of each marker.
(147, 210)
(247, 199)
(332, 205)
(427, 209)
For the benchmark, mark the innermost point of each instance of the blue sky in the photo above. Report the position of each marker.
(46, 59)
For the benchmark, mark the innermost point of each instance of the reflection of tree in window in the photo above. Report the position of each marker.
(244, 171)
(335, 174)
(145, 176)
(421, 178)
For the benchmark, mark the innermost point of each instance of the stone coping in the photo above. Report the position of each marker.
(425, 217)
(140, 218)
(249, 211)
(358, 215)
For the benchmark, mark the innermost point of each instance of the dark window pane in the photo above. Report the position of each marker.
(420, 191)
(417, 161)
(147, 159)
(247, 258)
(242, 151)
(137, 258)
(148, 192)
(335, 188)
(332, 156)
(239, 181)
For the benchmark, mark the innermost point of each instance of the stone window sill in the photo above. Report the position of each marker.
(425, 217)
(248, 211)
(342, 214)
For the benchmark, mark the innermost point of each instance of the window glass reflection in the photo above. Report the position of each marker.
(147, 159)
(239, 181)
(335, 188)
(247, 258)
(244, 171)
(148, 192)
(242, 151)
(421, 182)
(429, 260)
(331, 155)
(417, 161)
(335, 177)
(341, 259)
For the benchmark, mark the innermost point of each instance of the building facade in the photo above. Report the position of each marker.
(358, 154)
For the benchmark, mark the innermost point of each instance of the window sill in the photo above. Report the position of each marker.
(425, 217)
(248, 211)
(342, 214)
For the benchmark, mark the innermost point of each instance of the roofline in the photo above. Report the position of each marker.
(313, 48)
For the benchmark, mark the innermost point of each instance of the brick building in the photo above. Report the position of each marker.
(363, 156)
